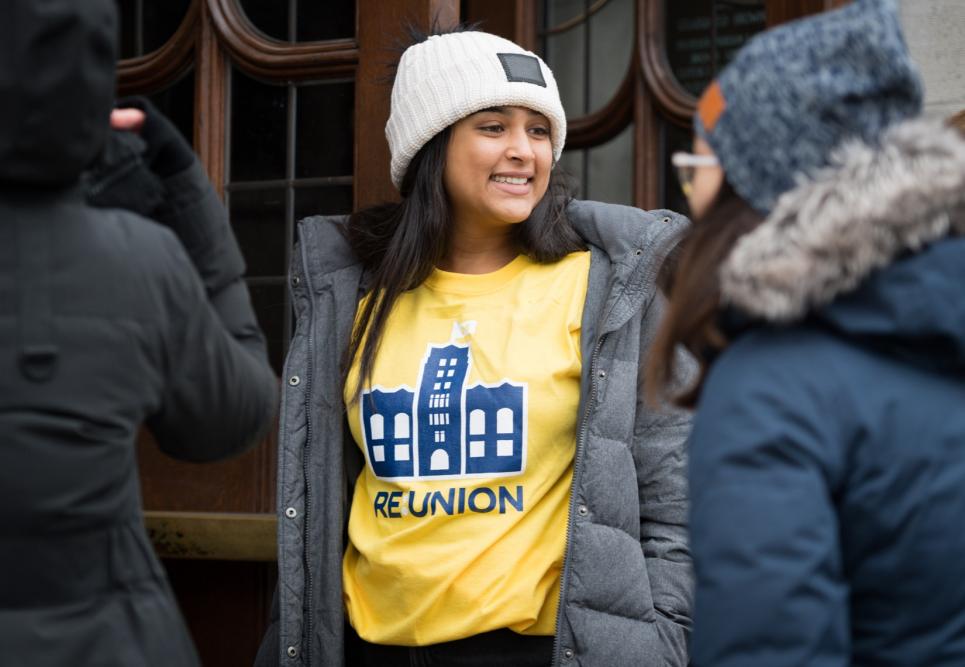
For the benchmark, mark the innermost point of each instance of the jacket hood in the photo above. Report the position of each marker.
(869, 245)
(633, 242)
(57, 86)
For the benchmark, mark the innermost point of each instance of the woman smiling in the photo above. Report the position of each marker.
(467, 473)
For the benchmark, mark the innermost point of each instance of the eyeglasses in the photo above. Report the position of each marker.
(686, 165)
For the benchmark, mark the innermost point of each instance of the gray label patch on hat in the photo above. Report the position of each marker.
(521, 67)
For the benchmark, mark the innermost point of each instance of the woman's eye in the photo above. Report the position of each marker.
(494, 129)
(540, 131)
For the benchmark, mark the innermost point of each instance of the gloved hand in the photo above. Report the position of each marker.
(167, 150)
(119, 177)
(149, 168)
(143, 149)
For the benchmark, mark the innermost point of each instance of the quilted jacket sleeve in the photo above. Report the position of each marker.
(221, 393)
(661, 461)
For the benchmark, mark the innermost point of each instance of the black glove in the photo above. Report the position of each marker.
(189, 205)
(130, 171)
(167, 150)
(119, 177)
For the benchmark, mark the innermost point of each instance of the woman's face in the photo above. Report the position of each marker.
(706, 184)
(497, 166)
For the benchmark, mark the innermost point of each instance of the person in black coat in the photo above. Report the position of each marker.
(108, 321)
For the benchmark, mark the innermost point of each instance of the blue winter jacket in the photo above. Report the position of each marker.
(827, 467)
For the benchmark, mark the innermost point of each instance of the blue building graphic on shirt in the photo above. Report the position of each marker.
(445, 429)
(387, 426)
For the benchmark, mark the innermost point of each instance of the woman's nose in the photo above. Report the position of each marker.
(519, 146)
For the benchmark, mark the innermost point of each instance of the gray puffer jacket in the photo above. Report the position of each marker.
(626, 588)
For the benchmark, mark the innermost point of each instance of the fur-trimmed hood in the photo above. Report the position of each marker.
(825, 247)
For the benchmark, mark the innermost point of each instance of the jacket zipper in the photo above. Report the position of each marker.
(307, 602)
(580, 439)
(580, 444)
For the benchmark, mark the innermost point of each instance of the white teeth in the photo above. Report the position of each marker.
(510, 179)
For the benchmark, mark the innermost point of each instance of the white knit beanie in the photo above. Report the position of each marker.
(448, 77)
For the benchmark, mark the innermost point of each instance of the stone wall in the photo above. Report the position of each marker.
(935, 31)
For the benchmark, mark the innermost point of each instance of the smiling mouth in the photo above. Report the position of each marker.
(512, 180)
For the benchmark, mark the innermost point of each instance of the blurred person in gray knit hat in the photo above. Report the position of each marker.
(820, 289)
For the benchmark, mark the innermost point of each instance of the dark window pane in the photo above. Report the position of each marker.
(704, 35)
(328, 200)
(269, 16)
(272, 309)
(325, 19)
(560, 13)
(324, 130)
(258, 218)
(177, 103)
(258, 113)
(571, 164)
(566, 56)
(145, 25)
(675, 138)
(130, 25)
(161, 20)
(609, 175)
(611, 48)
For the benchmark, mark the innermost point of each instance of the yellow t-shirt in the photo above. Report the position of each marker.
(458, 521)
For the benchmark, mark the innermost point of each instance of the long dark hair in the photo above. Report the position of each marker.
(693, 315)
(399, 244)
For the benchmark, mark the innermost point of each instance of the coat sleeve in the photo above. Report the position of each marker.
(763, 463)
(660, 438)
(221, 392)
(194, 212)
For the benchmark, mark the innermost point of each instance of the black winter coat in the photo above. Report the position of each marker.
(108, 321)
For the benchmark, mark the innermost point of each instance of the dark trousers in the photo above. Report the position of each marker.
(499, 648)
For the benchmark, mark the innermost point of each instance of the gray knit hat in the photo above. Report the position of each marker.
(448, 77)
(794, 93)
